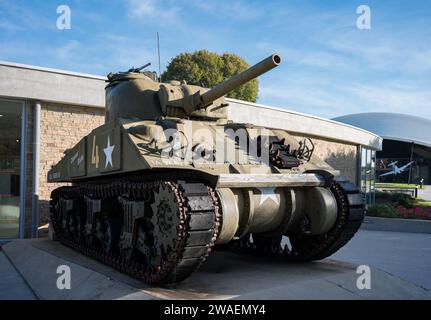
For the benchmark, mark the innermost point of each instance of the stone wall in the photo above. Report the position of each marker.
(61, 127)
(338, 155)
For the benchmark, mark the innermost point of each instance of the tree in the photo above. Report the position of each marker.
(206, 69)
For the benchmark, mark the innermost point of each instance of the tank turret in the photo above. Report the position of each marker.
(133, 94)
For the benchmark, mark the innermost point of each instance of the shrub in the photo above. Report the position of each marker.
(397, 199)
(403, 200)
(382, 210)
(382, 195)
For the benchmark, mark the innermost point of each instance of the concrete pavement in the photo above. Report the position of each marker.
(227, 275)
(406, 255)
(397, 225)
(12, 286)
(425, 193)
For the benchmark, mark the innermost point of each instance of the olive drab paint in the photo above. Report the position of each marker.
(265, 182)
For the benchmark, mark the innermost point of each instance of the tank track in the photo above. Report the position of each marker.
(196, 233)
(306, 248)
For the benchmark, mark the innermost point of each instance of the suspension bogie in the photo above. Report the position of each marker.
(161, 231)
(163, 228)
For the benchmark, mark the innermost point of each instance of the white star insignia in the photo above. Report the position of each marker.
(108, 153)
(268, 193)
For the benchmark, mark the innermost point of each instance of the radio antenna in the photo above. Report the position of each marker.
(158, 52)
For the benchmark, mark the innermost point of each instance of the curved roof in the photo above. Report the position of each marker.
(393, 126)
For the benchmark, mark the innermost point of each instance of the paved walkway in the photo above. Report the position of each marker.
(425, 193)
(228, 275)
(12, 286)
(392, 256)
(406, 255)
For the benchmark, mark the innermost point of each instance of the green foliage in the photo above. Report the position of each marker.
(399, 205)
(391, 210)
(397, 199)
(207, 69)
(403, 200)
(383, 195)
(382, 210)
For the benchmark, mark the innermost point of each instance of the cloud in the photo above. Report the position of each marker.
(12, 50)
(9, 26)
(406, 50)
(237, 10)
(330, 39)
(153, 9)
(17, 17)
(420, 60)
(143, 7)
(304, 98)
(337, 98)
(330, 67)
(399, 98)
(306, 57)
(116, 55)
(68, 51)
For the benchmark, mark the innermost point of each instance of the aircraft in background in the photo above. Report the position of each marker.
(395, 169)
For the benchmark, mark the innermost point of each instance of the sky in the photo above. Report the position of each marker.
(330, 66)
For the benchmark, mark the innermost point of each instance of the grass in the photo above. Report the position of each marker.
(397, 185)
(423, 203)
(382, 211)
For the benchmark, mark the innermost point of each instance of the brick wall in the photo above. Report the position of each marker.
(61, 127)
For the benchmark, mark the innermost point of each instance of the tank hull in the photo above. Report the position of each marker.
(260, 194)
(118, 169)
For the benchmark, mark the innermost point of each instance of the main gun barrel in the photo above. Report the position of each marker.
(253, 72)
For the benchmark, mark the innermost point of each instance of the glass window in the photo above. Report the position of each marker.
(10, 161)
(363, 167)
(368, 174)
(373, 176)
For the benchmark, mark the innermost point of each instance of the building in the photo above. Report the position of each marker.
(43, 112)
(406, 152)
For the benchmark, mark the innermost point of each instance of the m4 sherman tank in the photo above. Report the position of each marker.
(168, 176)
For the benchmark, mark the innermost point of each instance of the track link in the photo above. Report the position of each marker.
(199, 217)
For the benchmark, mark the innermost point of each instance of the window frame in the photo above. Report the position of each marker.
(23, 160)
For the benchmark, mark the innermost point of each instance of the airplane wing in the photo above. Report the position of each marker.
(401, 169)
(392, 164)
(387, 174)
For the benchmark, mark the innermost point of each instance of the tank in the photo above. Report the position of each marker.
(168, 177)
